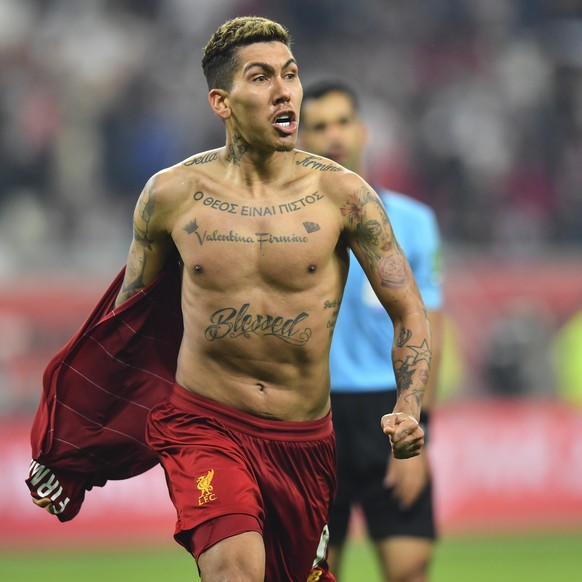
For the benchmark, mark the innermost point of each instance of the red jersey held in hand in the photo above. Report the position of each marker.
(98, 390)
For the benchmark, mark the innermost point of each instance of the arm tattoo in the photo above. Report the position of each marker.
(407, 367)
(374, 235)
(392, 271)
(134, 276)
(145, 212)
(403, 337)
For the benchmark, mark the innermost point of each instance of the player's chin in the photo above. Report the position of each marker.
(285, 147)
(286, 142)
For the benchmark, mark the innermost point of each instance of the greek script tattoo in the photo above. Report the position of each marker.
(257, 211)
(235, 322)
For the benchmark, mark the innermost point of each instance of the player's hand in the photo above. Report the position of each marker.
(407, 478)
(45, 503)
(405, 435)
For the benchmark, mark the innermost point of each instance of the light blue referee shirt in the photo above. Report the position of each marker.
(361, 348)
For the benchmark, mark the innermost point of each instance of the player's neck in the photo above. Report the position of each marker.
(255, 169)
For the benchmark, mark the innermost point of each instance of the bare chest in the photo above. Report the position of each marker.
(286, 244)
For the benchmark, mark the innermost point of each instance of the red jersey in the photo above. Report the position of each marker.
(99, 389)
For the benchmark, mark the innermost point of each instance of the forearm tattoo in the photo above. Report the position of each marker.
(374, 237)
(403, 337)
(411, 363)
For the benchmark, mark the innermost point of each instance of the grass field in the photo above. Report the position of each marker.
(536, 558)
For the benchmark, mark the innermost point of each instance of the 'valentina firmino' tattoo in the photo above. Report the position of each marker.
(233, 237)
(375, 237)
(236, 150)
(136, 263)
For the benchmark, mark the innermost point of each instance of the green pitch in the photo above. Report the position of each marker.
(529, 559)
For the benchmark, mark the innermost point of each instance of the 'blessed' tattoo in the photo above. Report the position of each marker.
(235, 322)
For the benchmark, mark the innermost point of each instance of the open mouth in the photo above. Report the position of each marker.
(285, 121)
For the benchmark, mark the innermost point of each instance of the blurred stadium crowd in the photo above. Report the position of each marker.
(476, 107)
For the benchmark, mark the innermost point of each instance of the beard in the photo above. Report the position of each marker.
(286, 147)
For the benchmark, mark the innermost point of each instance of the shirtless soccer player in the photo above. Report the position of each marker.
(263, 231)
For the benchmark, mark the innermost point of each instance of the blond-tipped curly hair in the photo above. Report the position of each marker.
(219, 60)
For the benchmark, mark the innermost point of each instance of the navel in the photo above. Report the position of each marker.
(312, 268)
(197, 269)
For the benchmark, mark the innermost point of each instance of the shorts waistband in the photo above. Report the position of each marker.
(282, 430)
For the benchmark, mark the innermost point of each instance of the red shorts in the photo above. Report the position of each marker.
(230, 472)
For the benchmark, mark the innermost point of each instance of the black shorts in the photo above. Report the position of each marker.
(363, 453)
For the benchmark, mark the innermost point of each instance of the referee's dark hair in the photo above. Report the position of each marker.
(323, 88)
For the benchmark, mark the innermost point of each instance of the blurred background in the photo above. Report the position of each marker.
(475, 108)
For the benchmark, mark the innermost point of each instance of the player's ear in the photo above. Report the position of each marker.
(218, 100)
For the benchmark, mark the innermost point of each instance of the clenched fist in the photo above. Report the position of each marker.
(405, 435)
